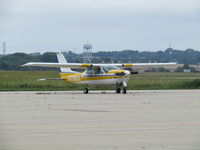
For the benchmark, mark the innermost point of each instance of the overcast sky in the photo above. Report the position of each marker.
(57, 25)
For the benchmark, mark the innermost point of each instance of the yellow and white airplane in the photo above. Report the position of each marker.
(94, 74)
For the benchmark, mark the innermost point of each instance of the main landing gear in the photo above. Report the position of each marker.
(85, 91)
(118, 90)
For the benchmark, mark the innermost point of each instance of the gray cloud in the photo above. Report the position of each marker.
(42, 25)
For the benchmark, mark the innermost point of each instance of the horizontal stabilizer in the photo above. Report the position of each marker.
(49, 79)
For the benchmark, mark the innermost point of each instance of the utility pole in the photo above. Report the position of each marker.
(4, 48)
(169, 45)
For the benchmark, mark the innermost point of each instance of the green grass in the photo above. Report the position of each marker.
(148, 80)
(26, 81)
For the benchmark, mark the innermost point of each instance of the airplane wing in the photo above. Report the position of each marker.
(80, 65)
(57, 65)
(149, 64)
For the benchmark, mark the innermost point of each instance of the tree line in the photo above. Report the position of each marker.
(188, 56)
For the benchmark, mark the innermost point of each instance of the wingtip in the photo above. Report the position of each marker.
(27, 64)
(24, 65)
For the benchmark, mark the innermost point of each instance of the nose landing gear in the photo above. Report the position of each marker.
(118, 90)
(124, 90)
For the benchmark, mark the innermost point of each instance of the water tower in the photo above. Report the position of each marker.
(87, 53)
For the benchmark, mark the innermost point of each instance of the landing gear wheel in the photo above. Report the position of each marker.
(124, 90)
(85, 91)
(118, 90)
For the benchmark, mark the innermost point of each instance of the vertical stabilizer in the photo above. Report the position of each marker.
(61, 59)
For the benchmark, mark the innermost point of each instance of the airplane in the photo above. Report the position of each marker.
(94, 74)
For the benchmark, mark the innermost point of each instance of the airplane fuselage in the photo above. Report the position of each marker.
(95, 80)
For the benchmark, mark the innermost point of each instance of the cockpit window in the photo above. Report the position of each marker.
(92, 70)
(108, 68)
(89, 71)
(97, 70)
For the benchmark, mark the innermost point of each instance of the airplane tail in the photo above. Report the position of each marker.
(61, 59)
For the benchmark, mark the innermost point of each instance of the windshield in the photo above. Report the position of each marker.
(108, 68)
